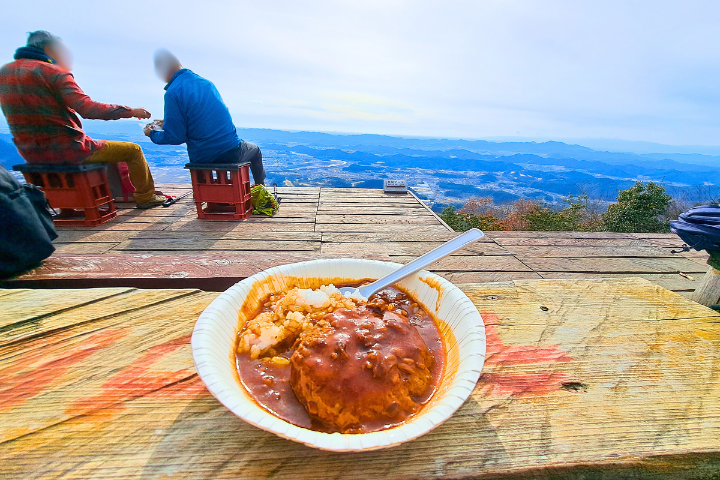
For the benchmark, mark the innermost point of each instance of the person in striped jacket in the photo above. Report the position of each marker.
(41, 102)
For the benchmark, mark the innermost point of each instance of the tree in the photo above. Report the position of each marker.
(543, 218)
(637, 209)
(461, 222)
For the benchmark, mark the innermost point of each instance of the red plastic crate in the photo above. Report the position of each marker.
(224, 189)
(80, 192)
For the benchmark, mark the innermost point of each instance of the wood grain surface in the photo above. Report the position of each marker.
(583, 379)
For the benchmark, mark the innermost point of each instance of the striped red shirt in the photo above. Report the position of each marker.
(41, 101)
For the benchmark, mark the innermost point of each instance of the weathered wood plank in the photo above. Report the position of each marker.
(380, 236)
(119, 226)
(117, 237)
(472, 263)
(164, 244)
(404, 200)
(380, 228)
(13, 291)
(88, 248)
(672, 281)
(307, 190)
(639, 302)
(196, 225)
(486, 277)
(572, 242)
(653, 235)
(378, 219)
(308, 218)
(358, 192)
(407, 248)
(614, 265)
(674, 241)
(179, 211)
(287, 213)
(32, 304)
(149, 265)
(153, 220)
(286, 201)
(375, 203)
(239, 234)
(565, 251)
(100, 308)
(533, 234)
(373, 211)
(84, 236)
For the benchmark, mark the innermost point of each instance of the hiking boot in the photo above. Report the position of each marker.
(155, 201)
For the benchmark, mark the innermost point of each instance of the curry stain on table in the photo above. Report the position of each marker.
(583, 379)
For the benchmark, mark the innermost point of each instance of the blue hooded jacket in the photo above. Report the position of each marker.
(196, 114)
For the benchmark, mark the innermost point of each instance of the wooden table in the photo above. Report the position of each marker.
(583, 379)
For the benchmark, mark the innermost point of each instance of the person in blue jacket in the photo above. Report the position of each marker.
(196, 115)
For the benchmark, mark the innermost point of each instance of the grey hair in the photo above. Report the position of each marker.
(40, 39)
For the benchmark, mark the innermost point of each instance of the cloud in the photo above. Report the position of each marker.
(553, 68)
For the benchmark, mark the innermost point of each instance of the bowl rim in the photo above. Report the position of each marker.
(466, 376)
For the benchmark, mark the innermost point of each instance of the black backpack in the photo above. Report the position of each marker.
(26, 227)
(699, 228)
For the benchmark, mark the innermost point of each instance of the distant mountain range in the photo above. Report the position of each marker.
(443, 171)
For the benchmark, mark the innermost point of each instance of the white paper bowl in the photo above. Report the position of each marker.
(460, 324)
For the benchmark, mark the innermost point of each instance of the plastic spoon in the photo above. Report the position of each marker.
(415, 266)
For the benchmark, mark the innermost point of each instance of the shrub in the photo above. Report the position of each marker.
(572, 217)
(638, 209)
(521, 215)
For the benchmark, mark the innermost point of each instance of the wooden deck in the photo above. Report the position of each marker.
(171, 244)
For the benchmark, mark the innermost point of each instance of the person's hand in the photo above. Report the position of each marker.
(147, 129)
(140, 113)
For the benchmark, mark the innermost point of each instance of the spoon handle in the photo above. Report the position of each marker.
(421, 262)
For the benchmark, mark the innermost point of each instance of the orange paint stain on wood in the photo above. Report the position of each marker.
(500, 354)
(138, 379)
(32, 375)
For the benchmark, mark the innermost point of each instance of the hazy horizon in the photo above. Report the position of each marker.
(599, 144)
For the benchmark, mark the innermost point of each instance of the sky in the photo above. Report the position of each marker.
(552, 69)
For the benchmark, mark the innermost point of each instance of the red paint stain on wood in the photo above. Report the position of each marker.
(498, 354)
(139, 379)
(34, 373)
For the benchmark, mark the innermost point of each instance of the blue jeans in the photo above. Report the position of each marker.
(245, 152)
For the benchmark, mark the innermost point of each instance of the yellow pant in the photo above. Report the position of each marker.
(132, 154)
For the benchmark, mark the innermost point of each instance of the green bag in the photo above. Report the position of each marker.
(263, 201)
